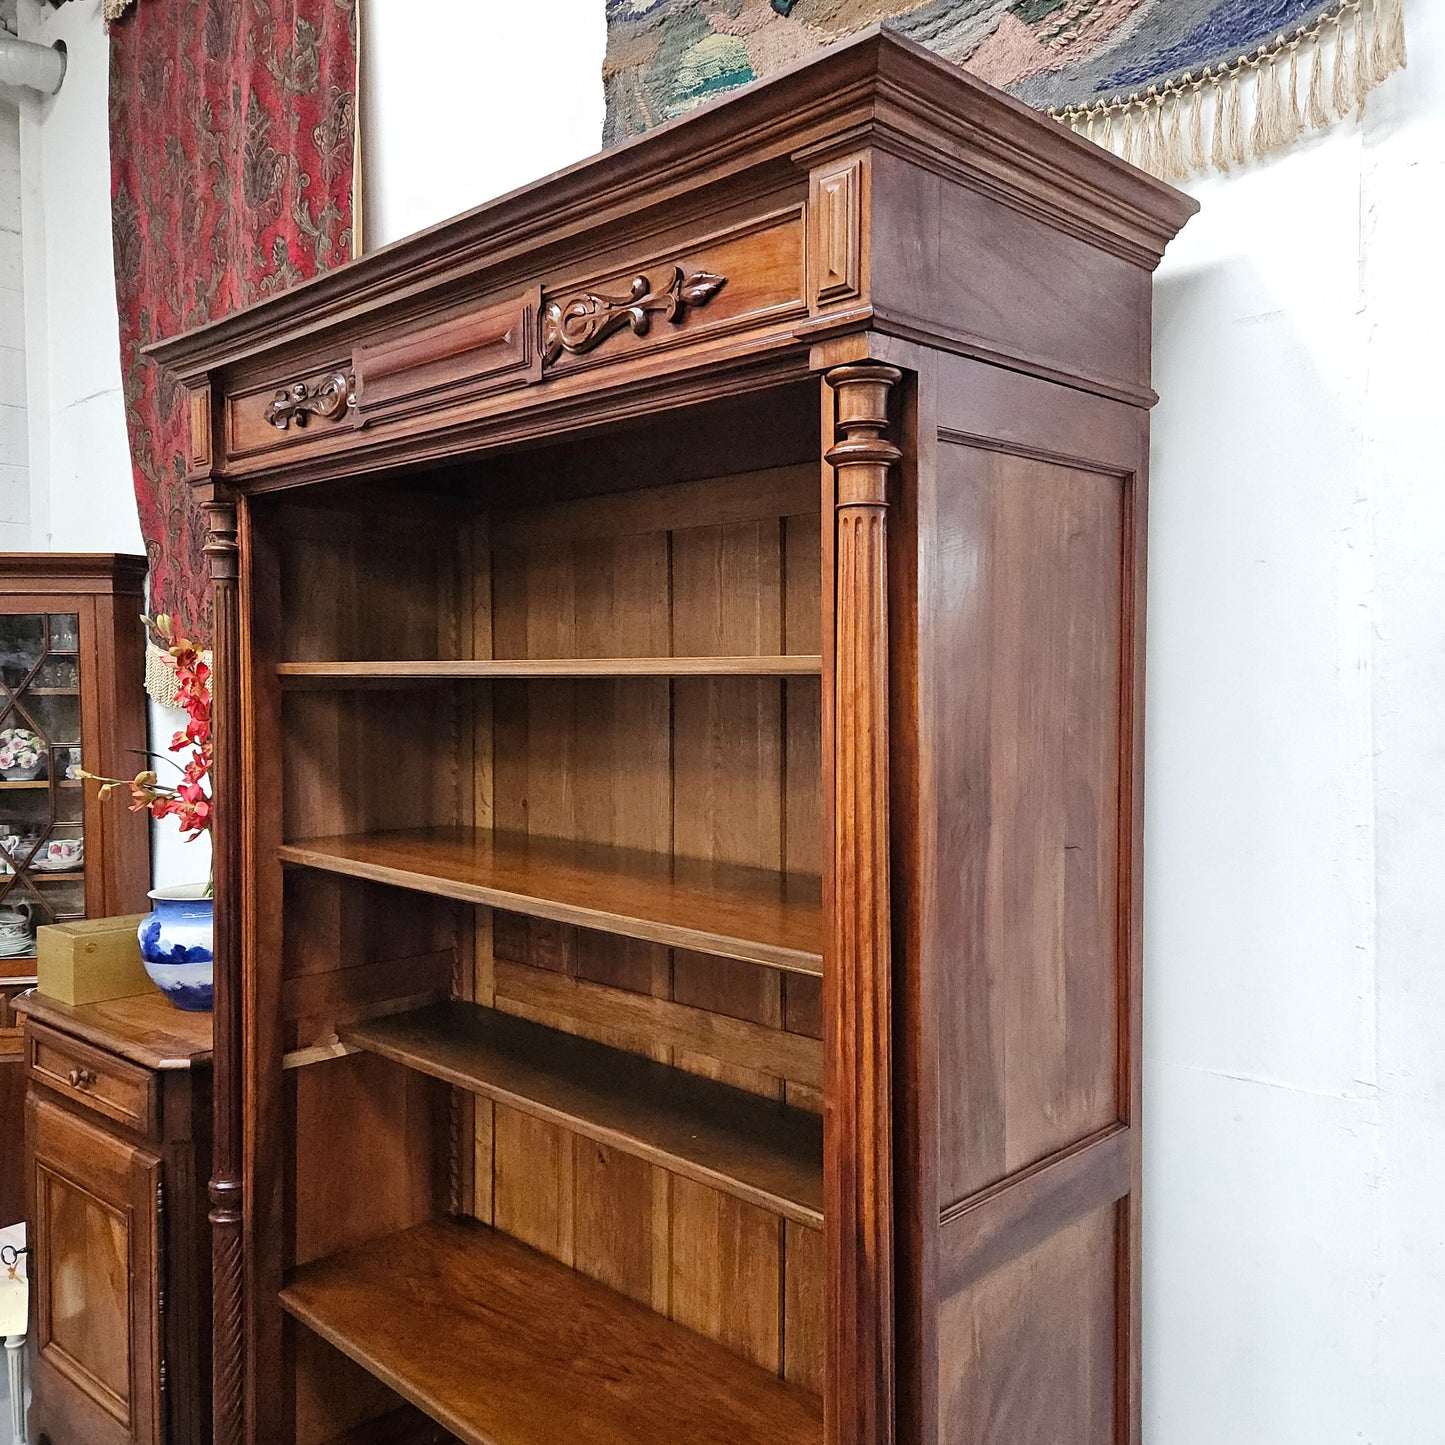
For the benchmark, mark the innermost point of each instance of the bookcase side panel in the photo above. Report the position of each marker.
(1029, 689)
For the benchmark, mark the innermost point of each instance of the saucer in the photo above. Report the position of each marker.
(58, 865)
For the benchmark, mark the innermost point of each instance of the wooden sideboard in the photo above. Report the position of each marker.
(117, 1153)
(679, 637)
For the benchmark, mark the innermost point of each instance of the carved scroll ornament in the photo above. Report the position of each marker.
(577, 326)
(329, 399)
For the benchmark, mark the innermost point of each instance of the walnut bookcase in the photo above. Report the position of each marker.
(678, 646)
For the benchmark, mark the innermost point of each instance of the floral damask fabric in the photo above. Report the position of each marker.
(232, 137)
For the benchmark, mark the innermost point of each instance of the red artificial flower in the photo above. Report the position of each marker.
(188, 802)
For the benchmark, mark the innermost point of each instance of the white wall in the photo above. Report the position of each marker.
(82, 496)
(82, 499)
(1295, 1250)
(472, 102)
(14, 425)
(1295, 1039)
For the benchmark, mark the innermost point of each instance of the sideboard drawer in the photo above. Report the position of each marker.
(96, 1080)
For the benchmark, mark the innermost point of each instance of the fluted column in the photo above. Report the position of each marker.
(858, 982)
(227, 1189)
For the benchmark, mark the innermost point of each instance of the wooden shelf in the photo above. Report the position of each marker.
(41, 783)
(760, 1151)
(775, 919)
(505, 1347)
(398, 674)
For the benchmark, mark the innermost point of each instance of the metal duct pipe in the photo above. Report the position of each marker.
(37, 67)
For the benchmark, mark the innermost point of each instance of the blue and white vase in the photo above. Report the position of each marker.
(177, 943)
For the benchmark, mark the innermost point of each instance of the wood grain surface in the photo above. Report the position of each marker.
(751, 1148)
(753, 914)
(505, 1347)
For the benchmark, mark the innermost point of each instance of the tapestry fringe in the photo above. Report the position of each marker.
(160, 682)
(1163, 130)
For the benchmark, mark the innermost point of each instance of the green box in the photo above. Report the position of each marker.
(91, 961)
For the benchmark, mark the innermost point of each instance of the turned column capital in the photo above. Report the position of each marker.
(862, 453)
(222, 547)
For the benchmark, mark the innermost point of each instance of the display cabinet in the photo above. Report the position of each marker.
(72, 666)
(678, 649)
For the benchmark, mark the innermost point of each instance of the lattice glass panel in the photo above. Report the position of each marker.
(42, 831)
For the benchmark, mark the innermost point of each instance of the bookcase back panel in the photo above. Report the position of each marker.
(361, 763)
(374, 576)
(724, 1268)
(333, 1395)
(353, 947)
(371, 1155)
(745, 1025)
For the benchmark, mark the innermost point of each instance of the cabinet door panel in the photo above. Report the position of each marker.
(96, 1280)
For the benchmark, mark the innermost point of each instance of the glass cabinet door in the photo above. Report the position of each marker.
(42, 831)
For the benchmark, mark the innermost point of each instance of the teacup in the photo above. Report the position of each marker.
(64, 852)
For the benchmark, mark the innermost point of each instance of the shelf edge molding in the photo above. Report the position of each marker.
(752, 914)
(319, 675)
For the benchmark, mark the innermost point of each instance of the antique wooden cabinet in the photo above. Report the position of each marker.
(679, 631)
(117, 1154)
(71, 662)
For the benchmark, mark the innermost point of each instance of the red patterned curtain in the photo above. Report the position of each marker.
(232, 132)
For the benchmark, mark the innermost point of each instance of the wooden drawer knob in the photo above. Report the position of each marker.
(81, 1078)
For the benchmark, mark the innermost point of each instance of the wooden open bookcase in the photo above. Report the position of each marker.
(678, 637)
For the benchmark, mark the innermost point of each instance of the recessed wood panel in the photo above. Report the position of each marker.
(1027, 1354)
(614, 1228)
(532, 1186)
(89, 1264)
(584, 760)
(95, 1308)
(624, 1014)
(333, 1393)
(1028, 641)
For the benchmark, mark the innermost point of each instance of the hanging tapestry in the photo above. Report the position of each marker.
(232, 134)
(1173, 85)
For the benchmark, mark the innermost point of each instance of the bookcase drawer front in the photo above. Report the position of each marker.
(690, 296)
(95, 1080)
(744, 277)
(291, 412)
(477, 353)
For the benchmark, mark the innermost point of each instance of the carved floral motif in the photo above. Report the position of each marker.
(329, 400)
(586, 321)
